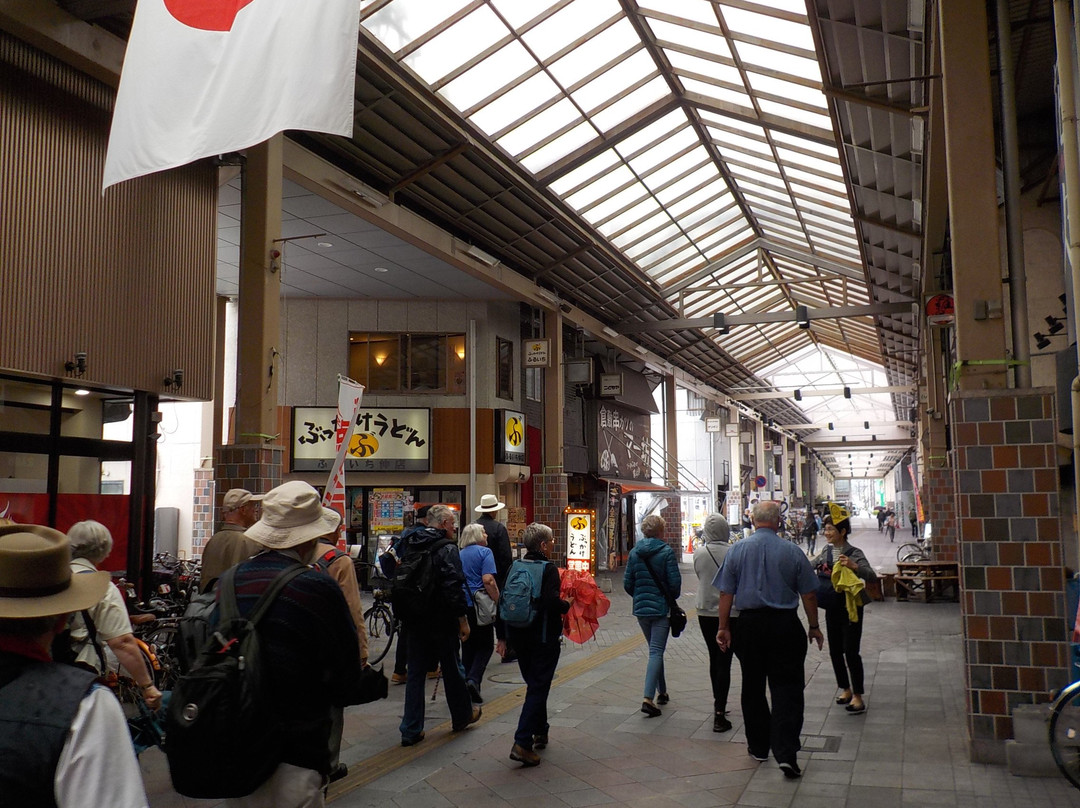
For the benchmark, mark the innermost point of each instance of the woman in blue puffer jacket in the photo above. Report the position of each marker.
(650, 605)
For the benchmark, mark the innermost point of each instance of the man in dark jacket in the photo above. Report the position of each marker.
(440, 631)
(538, 646)
(499, 544)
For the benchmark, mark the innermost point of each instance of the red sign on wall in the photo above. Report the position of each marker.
(112, 510)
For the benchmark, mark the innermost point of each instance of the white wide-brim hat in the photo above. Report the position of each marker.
(35, 575)
(489, 502)
(291, 515)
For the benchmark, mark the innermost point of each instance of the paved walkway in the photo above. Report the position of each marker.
(908, 749)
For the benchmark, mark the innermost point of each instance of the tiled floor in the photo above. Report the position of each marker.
(908, 749)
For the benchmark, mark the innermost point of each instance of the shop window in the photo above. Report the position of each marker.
(408, 363)
(505, 371)
(534, 384)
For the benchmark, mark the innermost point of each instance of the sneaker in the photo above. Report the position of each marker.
(791, 770)
(398, 678)
(540, 741)
(340, 771)
(720, 724)
(526, 757)
(476, 713)
(412, 741)
(650, 710)
(757, 757)
(474, 693)
(662, 698)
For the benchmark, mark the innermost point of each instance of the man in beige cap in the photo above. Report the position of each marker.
(311, 654)
(63, 737)
(228, 547)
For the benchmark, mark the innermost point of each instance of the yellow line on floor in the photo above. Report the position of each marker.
(374, 767)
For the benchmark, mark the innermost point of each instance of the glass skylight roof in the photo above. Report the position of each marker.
(681, 134)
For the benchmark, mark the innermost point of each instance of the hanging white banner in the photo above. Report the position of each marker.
(349, 395)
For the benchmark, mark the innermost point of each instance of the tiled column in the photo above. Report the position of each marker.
(940, 505)
(256, 467)
(1013, 584)
(202, 511)
(672, 516)
(550, 499)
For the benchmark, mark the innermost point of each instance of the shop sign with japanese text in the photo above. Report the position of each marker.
(623, 442)
(580, 540)
(385, 439)
(537, 353)
(509, 437)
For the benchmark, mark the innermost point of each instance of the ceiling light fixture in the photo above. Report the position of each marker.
(611, 332)
(802, 316)
(481, 256)
(81, 392)
(325, 244)
(381, 269)
(641, 349)
(365, 193)
(719, 322)
(549, 296)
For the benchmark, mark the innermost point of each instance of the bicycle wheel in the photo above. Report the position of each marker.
(1065, 733)
(910, 552)
(381, 629)
(162, 642)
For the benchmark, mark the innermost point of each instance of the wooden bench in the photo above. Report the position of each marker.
(927, 581)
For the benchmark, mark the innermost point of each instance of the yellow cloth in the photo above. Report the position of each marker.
(845, 581)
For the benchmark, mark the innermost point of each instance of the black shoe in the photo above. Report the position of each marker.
(756, 756)
(340, 771)
(720, 724)
(650, 710)
(856, 710)
(511, 657)
(474, 693)
(791, 770)
(412, 741)
(540, 741)
(662, 698)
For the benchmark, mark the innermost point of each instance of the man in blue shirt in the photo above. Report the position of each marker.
(765, 577)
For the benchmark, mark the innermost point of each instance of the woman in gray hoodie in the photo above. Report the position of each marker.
(707, 560)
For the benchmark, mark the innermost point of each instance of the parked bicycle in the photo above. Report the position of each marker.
(382, 626)
(919, 550)
(1065, 733)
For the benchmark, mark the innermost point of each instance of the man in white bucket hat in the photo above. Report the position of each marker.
(63, 737)
(309, 644)
(499, 544)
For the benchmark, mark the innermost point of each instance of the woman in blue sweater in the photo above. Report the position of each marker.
(650, 603)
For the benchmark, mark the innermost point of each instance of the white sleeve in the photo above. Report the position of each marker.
(97, 765)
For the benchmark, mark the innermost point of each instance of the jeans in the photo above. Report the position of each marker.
(845, 638)
(477, 650)
(655, 630)
(443, 643)
(811, 543)
(719, 661)
(771, 648)
(537, 661)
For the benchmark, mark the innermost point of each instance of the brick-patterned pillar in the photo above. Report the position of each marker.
(202, 511)
(672, 516)
(940, 507)
(550, 500)
(1013, 583)
(256, 467)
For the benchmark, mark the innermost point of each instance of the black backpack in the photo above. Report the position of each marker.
(222, 734)
(414, 592)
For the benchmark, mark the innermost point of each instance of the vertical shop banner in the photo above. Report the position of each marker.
(580, 539)
(918, 497)
(349, 395)
(208, 77)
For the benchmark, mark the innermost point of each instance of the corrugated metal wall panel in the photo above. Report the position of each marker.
(128, 277)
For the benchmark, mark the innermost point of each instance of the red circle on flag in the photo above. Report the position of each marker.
(207, 15)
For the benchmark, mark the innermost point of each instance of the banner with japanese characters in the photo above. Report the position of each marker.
(580, 539)
(349, 395)
(383, 439)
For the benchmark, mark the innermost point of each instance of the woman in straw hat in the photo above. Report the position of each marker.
(63, 738)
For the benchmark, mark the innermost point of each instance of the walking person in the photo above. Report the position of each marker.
(538, 646)
(650, 570)
(913, 518)
(765, 577)
(498, 539)
(810, 531)
(844, 633)
(881, 517)
(228, 547)
(478, 564)
(708, 558)
(890, 525)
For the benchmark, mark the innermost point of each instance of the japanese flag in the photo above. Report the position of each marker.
(206, 77)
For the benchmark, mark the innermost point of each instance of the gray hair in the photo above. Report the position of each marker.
(535, 535)
(438, 514)
(766, 514)
(90, 540)
(716, 528)
(470, 534)
(652, 526)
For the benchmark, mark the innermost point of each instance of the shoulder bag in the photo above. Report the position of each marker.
(485, 607)
(676, 616)
(827, 596)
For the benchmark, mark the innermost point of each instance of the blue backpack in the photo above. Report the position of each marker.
(519, 599)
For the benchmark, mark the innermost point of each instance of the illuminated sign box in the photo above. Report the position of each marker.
(385, 439)
(509, 437)
(580, 539)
